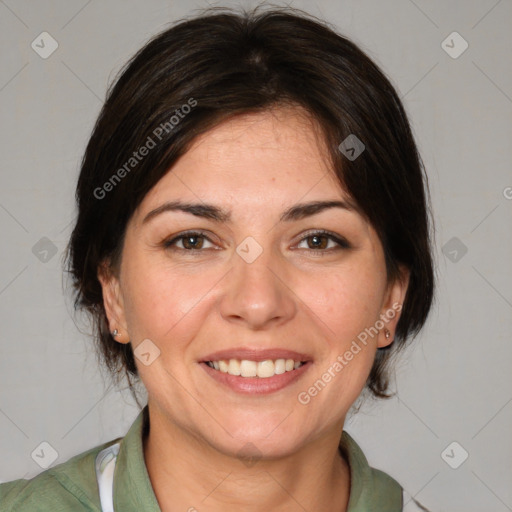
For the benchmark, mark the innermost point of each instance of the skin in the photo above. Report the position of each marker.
(294, 296)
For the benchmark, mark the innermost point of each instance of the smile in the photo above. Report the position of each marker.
(262, 369)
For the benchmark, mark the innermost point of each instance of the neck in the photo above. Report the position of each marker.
(188, 474)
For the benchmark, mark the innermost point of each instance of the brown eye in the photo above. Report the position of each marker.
(320, 241)
(188, 242)
(317, 242)
(193, 242)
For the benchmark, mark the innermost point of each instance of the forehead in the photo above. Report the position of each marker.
(266, 131)
(277, 156)
(264, 136)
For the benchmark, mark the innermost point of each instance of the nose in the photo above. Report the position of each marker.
(257, 294)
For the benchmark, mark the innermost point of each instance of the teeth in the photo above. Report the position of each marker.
(248, 368)
(234, 367)
(261, 369)
(266, 369)
(280, 366)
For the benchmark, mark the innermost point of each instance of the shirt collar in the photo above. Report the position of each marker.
(132, 486)
(133, 490)
(370, 489)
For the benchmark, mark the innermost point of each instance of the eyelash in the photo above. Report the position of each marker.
(340, 241)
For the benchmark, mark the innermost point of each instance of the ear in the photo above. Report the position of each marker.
(113, 302)
(392, 307)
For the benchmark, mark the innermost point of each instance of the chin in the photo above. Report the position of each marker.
(252, 450)
(255, 439)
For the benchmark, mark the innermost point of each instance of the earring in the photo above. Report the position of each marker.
(387, 333)
(115, 332)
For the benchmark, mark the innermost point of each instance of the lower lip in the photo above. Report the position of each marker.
(256, 385)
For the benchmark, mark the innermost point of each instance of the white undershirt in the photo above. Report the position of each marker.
(105, 464)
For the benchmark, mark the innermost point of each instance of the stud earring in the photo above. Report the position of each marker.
(115, 332)
(387, 333)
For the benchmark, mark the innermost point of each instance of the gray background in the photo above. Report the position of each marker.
(455, 385)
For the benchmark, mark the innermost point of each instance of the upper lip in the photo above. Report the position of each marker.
(254, 354)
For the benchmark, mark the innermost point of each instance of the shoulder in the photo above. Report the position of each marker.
(383, 483)
(370, 488)
(68, 486)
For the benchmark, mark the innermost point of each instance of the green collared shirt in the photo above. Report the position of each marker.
(72, 485)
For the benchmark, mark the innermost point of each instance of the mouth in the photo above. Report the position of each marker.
(247, 368)
(256, 371)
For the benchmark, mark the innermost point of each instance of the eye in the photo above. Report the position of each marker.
(323, 240)
(190, 241)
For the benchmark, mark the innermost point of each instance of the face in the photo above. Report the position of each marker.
(248, 257)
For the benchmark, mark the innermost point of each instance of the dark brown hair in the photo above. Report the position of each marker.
(217, 65)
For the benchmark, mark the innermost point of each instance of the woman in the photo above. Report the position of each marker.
(252, 242)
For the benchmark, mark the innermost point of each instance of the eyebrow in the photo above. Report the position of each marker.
(212, 212)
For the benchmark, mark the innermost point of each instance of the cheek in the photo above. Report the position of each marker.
(346, 301)
(160, 299)
(346, 305)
